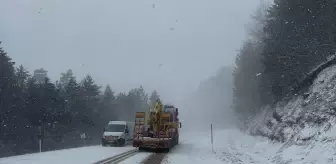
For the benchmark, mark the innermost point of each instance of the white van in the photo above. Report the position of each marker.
(117, 133)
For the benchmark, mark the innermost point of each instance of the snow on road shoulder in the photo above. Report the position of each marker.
(233, 146)
(230, 146)
(84, 155)
(319, 148)
(137, 159)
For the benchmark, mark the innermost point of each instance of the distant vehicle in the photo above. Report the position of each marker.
(117, 133)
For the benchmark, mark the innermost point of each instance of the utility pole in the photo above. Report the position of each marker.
(212, 139)
(2, 125)
(2, 122)
(40, 139)
(2, 129)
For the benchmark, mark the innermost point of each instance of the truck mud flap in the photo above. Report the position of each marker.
(164, 144)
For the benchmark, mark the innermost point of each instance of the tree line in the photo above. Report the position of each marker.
(287, 40)
(33, 107)
(211, 101)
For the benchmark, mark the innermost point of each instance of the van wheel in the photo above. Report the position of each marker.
(122, 142)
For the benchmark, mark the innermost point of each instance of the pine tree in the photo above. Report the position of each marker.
(72, 96)
(246, 95)
(109, 95)
(65, 78)
(22, 76)
(153, 97)
(108, 108)
(89, 88)
(299, 35)
(7, 93)
(50, 99)
(41, 102)
(143, 99)
(90, 92)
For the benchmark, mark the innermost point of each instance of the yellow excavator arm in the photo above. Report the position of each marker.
(154, 116)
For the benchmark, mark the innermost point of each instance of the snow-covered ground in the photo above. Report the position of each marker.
(306, 124)
(84, 155)
(319, 148)
(234, 147)
(230, 147)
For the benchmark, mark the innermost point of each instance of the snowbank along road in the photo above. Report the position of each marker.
(84, 155)
(88, 155)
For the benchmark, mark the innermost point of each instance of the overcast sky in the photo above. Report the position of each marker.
(170, 45)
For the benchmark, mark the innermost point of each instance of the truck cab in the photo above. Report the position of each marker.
(117, 133)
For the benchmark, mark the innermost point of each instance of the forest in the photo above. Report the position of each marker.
(287, 40)
(33, 107)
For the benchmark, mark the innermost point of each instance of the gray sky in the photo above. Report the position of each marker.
(123, 42)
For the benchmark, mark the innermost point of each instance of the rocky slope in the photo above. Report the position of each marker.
(304, 124)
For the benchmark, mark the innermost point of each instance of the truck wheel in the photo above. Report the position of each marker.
(166, 150)
(141, 149)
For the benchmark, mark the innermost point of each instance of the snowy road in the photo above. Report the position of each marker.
(230, 147)
(137, 159)
(85, 155)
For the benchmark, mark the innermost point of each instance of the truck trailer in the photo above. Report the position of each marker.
(159, 130)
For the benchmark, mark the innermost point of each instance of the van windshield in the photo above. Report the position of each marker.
(115, 128)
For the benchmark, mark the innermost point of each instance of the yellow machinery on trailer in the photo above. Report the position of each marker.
(160, 130)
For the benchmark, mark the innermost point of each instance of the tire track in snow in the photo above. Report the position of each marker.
(156, 158)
